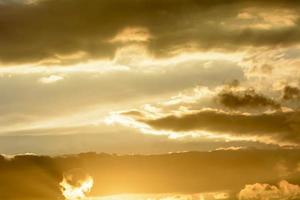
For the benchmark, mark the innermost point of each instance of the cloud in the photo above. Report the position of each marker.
(110, 139)
(36, 177)
(46, 30)
(258, 191)
(77, 92)
(231, 148)
(200, 196)
(277, 127)
(290, 93)
(50, 79)
(247, 98)
(31, 177)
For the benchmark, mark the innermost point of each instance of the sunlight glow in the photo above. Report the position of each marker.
(76, 192)
(50, 79)
(222, 195)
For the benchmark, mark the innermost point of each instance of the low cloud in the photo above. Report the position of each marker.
(259, 191)
(277, 127)
(290, 93)
(246, 98)
(30, 177)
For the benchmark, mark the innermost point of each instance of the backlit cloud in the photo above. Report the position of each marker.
(150, 83)
(74, 26)
(258, 191)
(50, 79)
(162, 176)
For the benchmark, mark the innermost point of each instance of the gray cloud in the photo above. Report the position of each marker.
(32, 177)
(279, 127)
(248, 98)
(42, 30)
(290, 93)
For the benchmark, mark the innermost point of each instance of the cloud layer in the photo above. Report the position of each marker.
(234, 113)
(32, 177)
(68, 64)
(48, 30)
(279, 127)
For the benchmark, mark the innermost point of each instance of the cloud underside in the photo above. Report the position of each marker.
(49, 29)
(37, 177)
(278, 127)
(248, 98)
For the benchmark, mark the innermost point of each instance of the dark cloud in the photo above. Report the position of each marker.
(290, 93)
(247, 98)
(37, 177)
(48, 28)
(279, 127)
(29, 177)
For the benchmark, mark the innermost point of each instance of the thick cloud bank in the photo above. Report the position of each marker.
(49, 29)
(30, 177)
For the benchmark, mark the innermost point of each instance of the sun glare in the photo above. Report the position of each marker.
(76, 189)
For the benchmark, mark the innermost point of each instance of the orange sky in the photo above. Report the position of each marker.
(152, 77)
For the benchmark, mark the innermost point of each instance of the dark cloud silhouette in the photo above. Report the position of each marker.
(248, 98)
(28, 177)
(279, 127)
(49, 28)
(32, 177)
(290, 93)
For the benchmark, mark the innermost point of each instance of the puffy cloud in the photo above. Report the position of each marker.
(258, 191)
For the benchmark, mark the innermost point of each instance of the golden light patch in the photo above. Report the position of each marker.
(132, 34)
(76, 185)
(51, 79)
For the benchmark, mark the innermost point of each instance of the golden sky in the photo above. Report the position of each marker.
(152, 77)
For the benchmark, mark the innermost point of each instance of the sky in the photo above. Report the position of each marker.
(151, 78)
